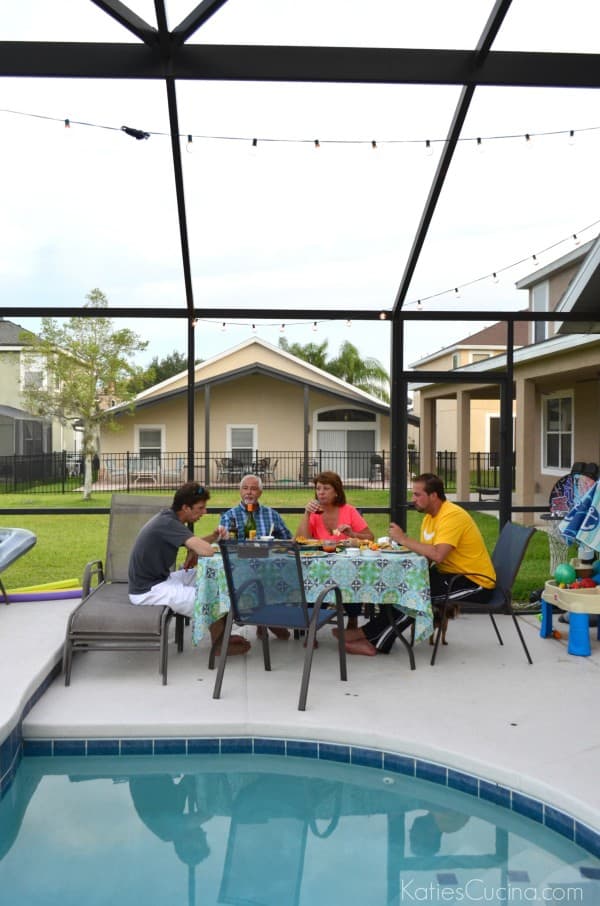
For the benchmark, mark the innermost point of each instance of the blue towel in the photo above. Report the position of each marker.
(582, 522)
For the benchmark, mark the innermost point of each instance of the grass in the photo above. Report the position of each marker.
(66, 543)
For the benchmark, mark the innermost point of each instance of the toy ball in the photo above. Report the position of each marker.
(564, 572)
(596, 567)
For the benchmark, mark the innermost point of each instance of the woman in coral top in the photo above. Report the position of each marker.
(328, 516)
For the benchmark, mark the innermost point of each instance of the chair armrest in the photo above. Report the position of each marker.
(323, 594)
(93, 569)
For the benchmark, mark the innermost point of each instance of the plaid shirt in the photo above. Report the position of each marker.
(263, 516)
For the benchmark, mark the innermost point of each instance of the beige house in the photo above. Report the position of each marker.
(21, 433)
(251, 401)
(484, 414)
(556, 386)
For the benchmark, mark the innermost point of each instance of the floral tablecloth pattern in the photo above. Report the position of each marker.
(398, 579)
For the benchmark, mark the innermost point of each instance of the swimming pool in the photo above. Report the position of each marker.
(265, 829)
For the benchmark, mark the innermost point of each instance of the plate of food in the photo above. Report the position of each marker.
(309, 554)
(308, 544)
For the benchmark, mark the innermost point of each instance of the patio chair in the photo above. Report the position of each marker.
(507, 558)
(106, 620)
(14, 542)
(264, 579)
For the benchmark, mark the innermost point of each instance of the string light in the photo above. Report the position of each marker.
(314, 327)
(223, 327)
(419, 305)
(456, 293)
(348, 323)
(282, 328)
(495, 277)
(576, 239)
(535, 260)
(479, 145)
(428, 148)
(254, 328)
(139, 134)
(188, 147)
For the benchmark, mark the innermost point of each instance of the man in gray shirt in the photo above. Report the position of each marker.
(151, 580)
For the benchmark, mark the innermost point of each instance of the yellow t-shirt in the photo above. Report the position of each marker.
(453, 525)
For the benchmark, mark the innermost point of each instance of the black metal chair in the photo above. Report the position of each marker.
(264, 579)
(507, 558)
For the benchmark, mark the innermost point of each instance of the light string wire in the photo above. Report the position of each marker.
(255, 140)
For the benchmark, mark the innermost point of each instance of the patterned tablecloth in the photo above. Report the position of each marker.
(398, 579)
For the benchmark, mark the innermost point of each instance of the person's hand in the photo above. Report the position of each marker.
(191, 561)
(344, 529)
(313, 506)
(221, 533)
(397, 534)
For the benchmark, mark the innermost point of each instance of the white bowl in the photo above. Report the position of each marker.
(267, 538)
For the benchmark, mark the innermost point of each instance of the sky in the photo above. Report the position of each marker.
(286, 224)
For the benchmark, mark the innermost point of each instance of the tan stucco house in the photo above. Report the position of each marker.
(556, 386)
(253, 400)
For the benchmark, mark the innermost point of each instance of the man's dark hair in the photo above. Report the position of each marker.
(189, 494)
(433, 484)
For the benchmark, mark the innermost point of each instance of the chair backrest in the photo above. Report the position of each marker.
(263, 575)
(508, 554)
(128, 513)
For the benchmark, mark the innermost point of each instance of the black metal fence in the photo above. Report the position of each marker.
(63, 472)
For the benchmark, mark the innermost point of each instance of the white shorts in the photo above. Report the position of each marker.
(178, 592)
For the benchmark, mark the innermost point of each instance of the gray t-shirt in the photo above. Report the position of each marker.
(155, 551)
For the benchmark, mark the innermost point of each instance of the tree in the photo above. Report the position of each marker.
(160, 369)
(366, 374)
(315, 353)
(85, 360)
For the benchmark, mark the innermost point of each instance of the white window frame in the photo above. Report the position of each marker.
(559, 394)
(232, 427)
(139, 428)
(540, 301)
(33, 364)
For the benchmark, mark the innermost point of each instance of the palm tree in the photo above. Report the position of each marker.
(315, 353)
(366, 374)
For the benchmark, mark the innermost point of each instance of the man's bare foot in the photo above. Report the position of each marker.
(350, 635)
(280, 632)
(361, 647)
(237, 645)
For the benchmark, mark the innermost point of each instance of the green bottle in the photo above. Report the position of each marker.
(250, 525)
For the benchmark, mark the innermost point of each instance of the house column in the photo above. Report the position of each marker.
(427, 436)
(526, 464)
(463, 445)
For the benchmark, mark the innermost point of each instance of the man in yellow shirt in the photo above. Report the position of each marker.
(453, 545)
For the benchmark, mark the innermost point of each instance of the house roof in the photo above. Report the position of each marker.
(492, 337)
(12, 334)
(583, 295)
(304, 373)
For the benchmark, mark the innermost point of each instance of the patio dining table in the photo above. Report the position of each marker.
(397, 579)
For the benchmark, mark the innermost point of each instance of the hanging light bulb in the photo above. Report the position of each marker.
(317, 143)
(254, 142)
(576, 239)
(282, 328)
(571, 138)
(535, 260)
(528, 138)
(374, 144)
(495, 277)
(480, 146)
(188, 147)
(419, 305)
(383, 316)
(254, 328)
(67, 124)
(223, 327)
(456, 292)
(348, 323)
(314, 327)
(428, 148)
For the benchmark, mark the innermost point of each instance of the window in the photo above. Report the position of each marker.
(242, 442)
(479, 356)
(346, 415)
(33, 372)
(539, 302)
(558, 432)
(149, 441)
(456, 359)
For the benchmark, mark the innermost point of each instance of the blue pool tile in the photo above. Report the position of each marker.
(103, 747)
(399, 764)
(170, 746)
(367, 758)
(530, 808)
(558, 821)
(299, 749)
(69, 746)
(331, 752)
(588, 838)
(269, 746)
(204, 746)
(235, 745)
(37, 747)
(136, 747)
(466, 783)
(426, 770)
(500, 795)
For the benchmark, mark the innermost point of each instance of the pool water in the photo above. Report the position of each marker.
(274, 831)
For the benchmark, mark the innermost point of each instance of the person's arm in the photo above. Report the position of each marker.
(304, 529)
(202, 547)
(356, 528)
(437, 553)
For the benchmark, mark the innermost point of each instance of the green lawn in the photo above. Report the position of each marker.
(66, 543)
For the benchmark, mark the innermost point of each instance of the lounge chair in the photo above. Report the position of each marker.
(106, 620)
(14, 542)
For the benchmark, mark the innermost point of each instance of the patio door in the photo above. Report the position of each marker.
(347, 452)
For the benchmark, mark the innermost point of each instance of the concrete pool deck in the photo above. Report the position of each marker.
(482, 709)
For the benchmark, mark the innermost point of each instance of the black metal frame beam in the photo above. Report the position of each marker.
(260, 63)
